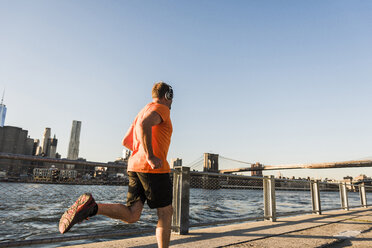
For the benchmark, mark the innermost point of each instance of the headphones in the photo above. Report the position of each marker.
(169, 93)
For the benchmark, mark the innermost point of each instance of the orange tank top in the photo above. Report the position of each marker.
(161, 138)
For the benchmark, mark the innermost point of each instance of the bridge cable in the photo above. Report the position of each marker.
(234, 160)
(195, 162)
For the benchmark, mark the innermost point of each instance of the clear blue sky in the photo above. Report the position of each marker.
(275, 82)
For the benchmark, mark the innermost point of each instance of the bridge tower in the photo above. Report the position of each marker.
(257, 173)
(210, 165)
(210, 162)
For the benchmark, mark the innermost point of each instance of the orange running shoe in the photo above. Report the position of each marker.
(84, 207)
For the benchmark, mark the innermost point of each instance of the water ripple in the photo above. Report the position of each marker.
(30, 211)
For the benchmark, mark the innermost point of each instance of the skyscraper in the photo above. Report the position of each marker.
(2, 111)
(45, 142)
(73, 147)
(52, 150)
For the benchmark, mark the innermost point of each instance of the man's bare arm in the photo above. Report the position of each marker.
(128, 138)
(150, 120)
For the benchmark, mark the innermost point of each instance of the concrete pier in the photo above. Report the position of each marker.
(331, 229)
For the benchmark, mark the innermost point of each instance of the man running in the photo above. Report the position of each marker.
(149, 138)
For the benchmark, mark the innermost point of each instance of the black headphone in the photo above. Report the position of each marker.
(169, 93)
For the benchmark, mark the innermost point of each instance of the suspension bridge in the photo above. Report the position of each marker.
(208, 162)
(215, 162)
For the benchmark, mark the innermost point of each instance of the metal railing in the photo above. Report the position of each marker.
(33, 209)
(264, 198)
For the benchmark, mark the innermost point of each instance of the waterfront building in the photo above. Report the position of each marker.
(114, 172)
(176, 162)
(15, 140)
(83, 169)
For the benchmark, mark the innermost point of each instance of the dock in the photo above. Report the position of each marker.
(339, 228)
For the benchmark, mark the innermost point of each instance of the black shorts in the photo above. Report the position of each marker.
(155, 188)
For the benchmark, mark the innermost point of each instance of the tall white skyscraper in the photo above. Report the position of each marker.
(73, 147)
(2, 111)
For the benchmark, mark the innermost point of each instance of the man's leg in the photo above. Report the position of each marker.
(121, 212)
(163, 229)
(135, 199)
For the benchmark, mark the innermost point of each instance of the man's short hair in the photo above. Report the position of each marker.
(160, 89)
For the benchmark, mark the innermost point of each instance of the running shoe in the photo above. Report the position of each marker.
(84, 207)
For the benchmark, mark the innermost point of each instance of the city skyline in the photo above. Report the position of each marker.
(258, 81)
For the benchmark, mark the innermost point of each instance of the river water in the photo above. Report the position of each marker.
(32, 211)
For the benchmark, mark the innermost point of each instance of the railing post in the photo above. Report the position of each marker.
(362, 193)
(269, 198)
(343, 197)
(181, 199)
(315, 196)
